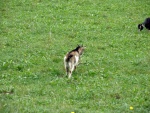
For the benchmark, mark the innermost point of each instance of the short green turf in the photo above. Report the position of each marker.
(114, 72)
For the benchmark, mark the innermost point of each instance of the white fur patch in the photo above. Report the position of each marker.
(77, 60)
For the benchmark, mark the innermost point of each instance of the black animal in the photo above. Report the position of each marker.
(145, 24)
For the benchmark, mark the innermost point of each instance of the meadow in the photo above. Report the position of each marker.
(114, 72)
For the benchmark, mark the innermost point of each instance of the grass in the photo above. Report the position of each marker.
(114, 71)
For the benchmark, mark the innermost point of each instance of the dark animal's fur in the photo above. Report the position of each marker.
(145, 24)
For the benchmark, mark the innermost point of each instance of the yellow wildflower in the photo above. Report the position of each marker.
(131, 108)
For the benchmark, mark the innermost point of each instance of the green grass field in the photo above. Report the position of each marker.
(114, 73)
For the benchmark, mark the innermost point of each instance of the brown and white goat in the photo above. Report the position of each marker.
(71, 60)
